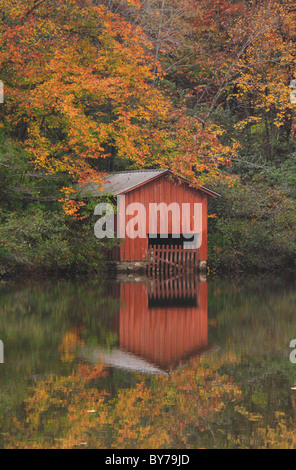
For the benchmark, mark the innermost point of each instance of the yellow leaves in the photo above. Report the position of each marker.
(14, 9)
(253, 417)
(251, 120)
(163, 412)
(145, 416)
(74, 101)
(71, 341)
(84, 90)
(71, 207)
(259, 84)
(135, 3)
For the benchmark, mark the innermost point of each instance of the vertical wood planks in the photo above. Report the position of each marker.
(168, 191)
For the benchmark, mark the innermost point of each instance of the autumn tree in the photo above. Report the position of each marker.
(81, 96)
(246, 59)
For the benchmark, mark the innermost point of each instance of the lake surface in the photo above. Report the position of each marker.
(168, 364)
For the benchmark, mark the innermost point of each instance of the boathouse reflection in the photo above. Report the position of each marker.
(161, 324)
(164, 322)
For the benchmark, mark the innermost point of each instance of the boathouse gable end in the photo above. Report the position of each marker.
(150, 187)
(168, 191)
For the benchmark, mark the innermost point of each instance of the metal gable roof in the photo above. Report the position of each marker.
(118, 183)
(122, 182)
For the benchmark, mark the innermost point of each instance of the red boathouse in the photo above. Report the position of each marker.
(154, 187)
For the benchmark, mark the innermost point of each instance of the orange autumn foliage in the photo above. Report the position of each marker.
(81, 96)
(142, 416)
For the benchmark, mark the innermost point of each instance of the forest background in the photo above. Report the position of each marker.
(201, 87)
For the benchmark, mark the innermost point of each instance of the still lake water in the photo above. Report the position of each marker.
(177, 364)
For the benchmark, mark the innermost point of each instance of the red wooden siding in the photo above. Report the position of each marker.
(163, 189)
(162, 335)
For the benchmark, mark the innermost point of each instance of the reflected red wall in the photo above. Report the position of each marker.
(163, 336)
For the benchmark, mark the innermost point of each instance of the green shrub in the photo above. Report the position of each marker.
(255, 229)
(39, 241)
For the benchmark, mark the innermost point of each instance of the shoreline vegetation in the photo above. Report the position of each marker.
(252, 232)
(96, 87)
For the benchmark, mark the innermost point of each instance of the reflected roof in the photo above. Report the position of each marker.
(121, 359)
(125, 360)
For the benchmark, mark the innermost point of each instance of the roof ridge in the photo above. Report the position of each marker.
(125, 181)
(136, 171)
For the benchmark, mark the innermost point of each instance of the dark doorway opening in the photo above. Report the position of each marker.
(170, 239)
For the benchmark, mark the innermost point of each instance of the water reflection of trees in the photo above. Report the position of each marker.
(196, 407)
(237, 396)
